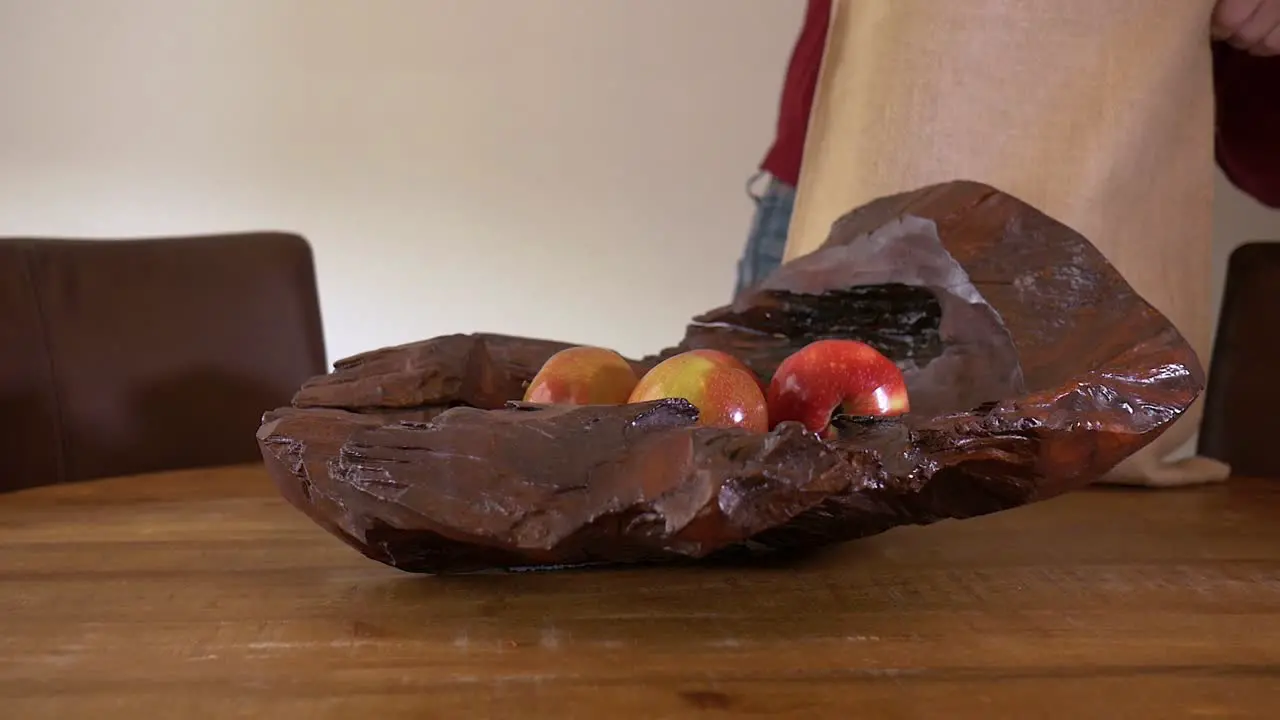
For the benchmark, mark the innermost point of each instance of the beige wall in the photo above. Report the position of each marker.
(563, 168)
(542, 167)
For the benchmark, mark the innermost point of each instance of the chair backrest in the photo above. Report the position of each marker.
(1242, 397)
(138, 355)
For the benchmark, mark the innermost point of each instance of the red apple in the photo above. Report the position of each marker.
(582, 376)
(726, 359)
(724, 395)
(828, 374)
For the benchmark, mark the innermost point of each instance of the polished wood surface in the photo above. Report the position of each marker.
(201, 594)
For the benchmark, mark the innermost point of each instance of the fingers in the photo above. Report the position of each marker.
(1229, 15)
(1249, 25)
(1270, 45)
(1252, 35)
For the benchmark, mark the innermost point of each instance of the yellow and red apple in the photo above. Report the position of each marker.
(726, 396)
(827, 376)
(582, 375)
(728, 360)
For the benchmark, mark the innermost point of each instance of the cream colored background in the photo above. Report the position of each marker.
(565, 168)
(539, 167)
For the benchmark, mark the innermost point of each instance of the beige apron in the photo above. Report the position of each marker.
(1098, 112)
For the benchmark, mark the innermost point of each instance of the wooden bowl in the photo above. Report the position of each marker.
(1033, 368)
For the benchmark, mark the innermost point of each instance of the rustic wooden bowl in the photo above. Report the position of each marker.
(1033, 369)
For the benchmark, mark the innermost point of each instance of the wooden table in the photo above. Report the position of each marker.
(201, 594)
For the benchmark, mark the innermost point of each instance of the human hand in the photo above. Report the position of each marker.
(1249, 25)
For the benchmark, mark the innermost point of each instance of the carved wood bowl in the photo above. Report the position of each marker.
(1033, 368)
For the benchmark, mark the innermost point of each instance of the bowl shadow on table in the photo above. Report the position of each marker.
(705, 603)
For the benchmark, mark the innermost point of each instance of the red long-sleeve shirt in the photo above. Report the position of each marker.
(1247, 91)
(1248, 118)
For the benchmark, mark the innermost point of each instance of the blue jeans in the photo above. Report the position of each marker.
(767, 238)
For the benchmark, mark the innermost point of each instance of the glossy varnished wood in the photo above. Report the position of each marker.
(201, 594)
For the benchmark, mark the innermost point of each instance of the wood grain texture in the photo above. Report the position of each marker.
(202, 594)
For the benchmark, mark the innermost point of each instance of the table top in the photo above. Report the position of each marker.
(201, 594)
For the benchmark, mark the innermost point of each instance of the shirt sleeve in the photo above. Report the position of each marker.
(1247, 142)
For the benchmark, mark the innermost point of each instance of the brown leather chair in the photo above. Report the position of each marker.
(1241, 423)
(137, 355)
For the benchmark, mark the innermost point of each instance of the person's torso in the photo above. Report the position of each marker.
(1099, 113)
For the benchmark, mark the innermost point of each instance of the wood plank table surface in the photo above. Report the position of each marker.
(201, 594)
